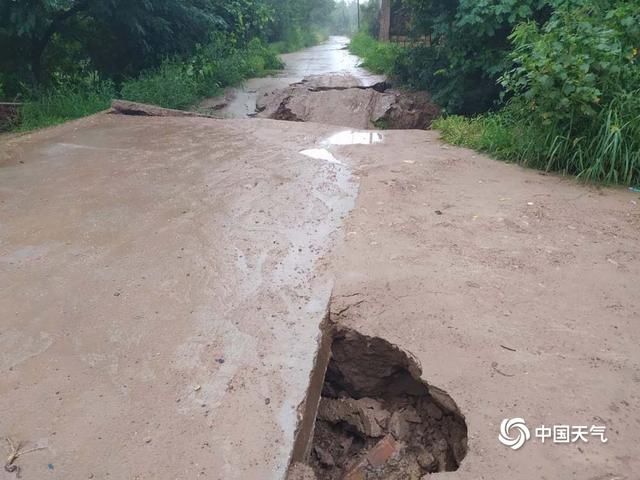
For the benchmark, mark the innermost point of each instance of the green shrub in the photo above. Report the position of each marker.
(377, 56)
(576, 96)
(578, 62)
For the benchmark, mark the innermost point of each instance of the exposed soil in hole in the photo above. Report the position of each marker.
(377, 419)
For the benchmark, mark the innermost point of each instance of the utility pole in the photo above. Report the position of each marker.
(385, 20)
(358, 7)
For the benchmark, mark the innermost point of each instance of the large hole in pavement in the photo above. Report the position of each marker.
(377, 419)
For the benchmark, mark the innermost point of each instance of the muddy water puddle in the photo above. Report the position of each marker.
(344, 138)
(351, 137)
(321, 154)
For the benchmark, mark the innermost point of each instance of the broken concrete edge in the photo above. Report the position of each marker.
(125, 107)
(308, 409)
(379, 87)
(329, 330)
(315, 99)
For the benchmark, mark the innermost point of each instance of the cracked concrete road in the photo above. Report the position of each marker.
(330, 57)
(161, 294)
(517, 292)
(164, 279)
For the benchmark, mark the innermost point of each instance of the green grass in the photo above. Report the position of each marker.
(377, 57)
(607, 150)
(177, 83)
(180, 85)
(63, 103)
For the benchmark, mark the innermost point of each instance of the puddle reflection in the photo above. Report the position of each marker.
(349, 137)
(321, 154)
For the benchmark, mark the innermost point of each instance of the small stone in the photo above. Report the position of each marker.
(197, 388)
(433, 411)
(116, 294)
(427, 461)
(399, 427)
(382, 451)
(324, 456)
(267, 401)
(410, 414)
(147, 439)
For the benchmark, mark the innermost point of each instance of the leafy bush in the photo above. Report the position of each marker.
(377, 56)
(575, 88)
(578, 63)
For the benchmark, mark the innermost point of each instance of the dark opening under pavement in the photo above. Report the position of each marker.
(377, 420)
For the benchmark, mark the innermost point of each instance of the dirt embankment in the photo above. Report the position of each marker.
(342, 100)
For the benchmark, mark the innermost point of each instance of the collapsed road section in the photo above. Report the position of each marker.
(343, 100)
(376, 419)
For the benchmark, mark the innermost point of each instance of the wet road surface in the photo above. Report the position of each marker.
(331, 56)
(164, 280)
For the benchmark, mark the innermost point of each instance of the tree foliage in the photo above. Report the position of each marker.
(469, 48)
(42, 39)
(581, 59)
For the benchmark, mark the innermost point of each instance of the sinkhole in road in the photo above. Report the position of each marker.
(376, 419)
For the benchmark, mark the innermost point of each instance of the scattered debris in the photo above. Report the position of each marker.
(15, 452)
(494, 366)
